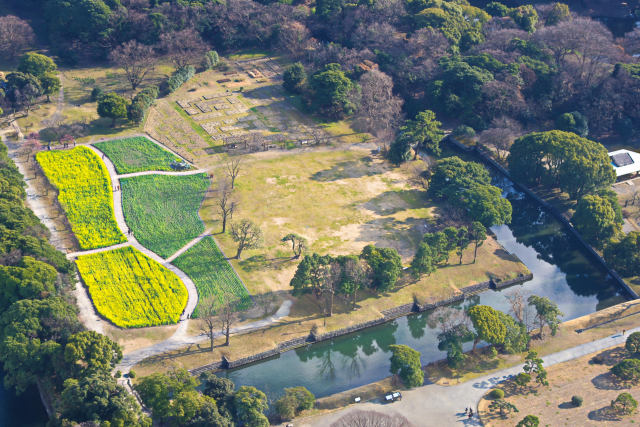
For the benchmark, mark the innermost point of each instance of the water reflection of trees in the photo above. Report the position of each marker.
(351, 362)
(533, 228)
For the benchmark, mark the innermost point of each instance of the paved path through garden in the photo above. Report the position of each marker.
(189, 245)
(180, 338)
(436, 405)
(192, 300)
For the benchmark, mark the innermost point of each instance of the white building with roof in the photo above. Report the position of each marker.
(625, 162)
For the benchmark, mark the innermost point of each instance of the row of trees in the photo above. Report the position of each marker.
(41, 341)
(435, 248)
(326, 276)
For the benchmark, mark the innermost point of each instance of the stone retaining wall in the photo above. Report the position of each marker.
(387, 315)
(551, 209)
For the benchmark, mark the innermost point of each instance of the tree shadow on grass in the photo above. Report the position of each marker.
(350, 169)
(607, 381)
(604, 414)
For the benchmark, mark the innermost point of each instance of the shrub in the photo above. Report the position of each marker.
(180, 77)
(96, 93)
(496, 393)
(529, 421)
(132, 374)
(633, 343)
(141, 103)
(627, 370)
(295, 400)
(576, 401)
(522, 379)
(624, 404)
(118, 374)
(210, 60)
(405, 362)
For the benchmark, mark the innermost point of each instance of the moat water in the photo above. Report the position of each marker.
(561, 271)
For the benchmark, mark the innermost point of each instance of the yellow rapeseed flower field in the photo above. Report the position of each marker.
(85, 194)
(132, 290)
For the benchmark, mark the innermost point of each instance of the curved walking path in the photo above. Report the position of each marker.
(181, 339)
(436, 405)
(192, 300)
(189, 245)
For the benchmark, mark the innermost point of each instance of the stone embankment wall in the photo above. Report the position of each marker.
(387, 316)
(486, 158)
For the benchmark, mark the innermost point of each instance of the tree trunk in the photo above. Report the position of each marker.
(460, 263)
(211, 337)
(353, 306)
(240, 248)
(475, 253)
(330, 304)
(475, 343)
(226, 343)
(113, 122)
(224, 223)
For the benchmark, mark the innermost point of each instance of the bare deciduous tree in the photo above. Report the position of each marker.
(183, 47)
(136, 59)
(207, 314)
(371, 419)
(293, 38)
(227, 205)
(232, 170)
(246, 234)
(378, 109)
(227, 316)
(15, 36)
(519, 307)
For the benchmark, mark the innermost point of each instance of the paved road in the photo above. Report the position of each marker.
(435, 405)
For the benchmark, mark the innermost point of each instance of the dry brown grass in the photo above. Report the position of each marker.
(602, 323)
(593, 382)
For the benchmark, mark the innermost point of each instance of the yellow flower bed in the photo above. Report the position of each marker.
(85, 194)
(132, 290)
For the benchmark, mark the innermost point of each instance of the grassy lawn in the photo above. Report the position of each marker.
(85, 194)
(132, 290)
(162, 210)
(211, 273)
(552, 405)
(340, 200)
(137, 154)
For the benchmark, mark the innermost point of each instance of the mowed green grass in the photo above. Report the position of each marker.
(205, 264)
(162, 210)
(132, 290)
(137, 154)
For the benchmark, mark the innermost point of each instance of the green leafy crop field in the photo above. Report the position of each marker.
(132, 290)
(85, 194)
(205, 264)
(136, 154)
(162, 210)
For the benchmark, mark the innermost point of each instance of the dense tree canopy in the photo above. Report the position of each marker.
(561, 159)
(467, 185)
(405, 362)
